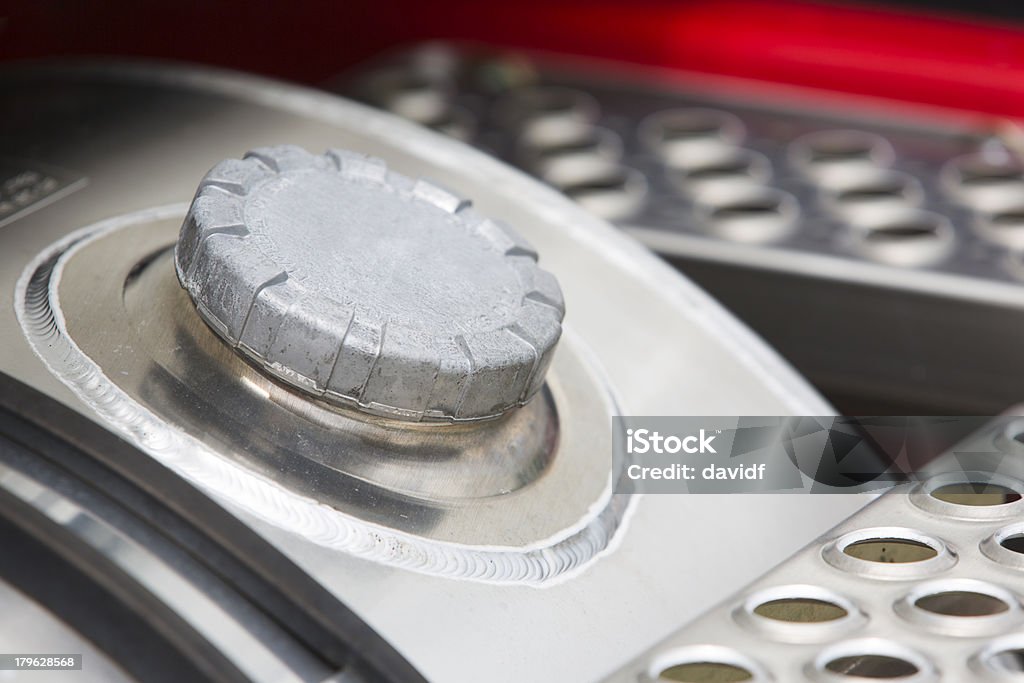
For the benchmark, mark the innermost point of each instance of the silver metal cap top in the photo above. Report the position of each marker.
(367, 288)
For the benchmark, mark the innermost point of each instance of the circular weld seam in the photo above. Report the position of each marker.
(543, 563)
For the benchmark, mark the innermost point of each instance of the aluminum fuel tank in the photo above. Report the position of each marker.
(471, 522)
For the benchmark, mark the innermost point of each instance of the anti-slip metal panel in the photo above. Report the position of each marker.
(924, 584)
(866, 233)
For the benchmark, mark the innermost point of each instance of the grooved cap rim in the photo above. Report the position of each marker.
(300, 263)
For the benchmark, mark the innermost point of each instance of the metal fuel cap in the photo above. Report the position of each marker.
(367, 288)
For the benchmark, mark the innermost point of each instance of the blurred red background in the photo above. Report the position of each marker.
(967, 63)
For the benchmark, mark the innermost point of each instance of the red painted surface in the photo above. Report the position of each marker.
(901, 56)
(932, 60)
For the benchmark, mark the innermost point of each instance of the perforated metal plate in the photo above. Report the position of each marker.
(873, 252)
(923, 585)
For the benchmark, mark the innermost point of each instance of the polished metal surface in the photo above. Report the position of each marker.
(143, 137)
(367, 288)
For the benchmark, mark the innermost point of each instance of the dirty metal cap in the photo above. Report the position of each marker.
(367, 288)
